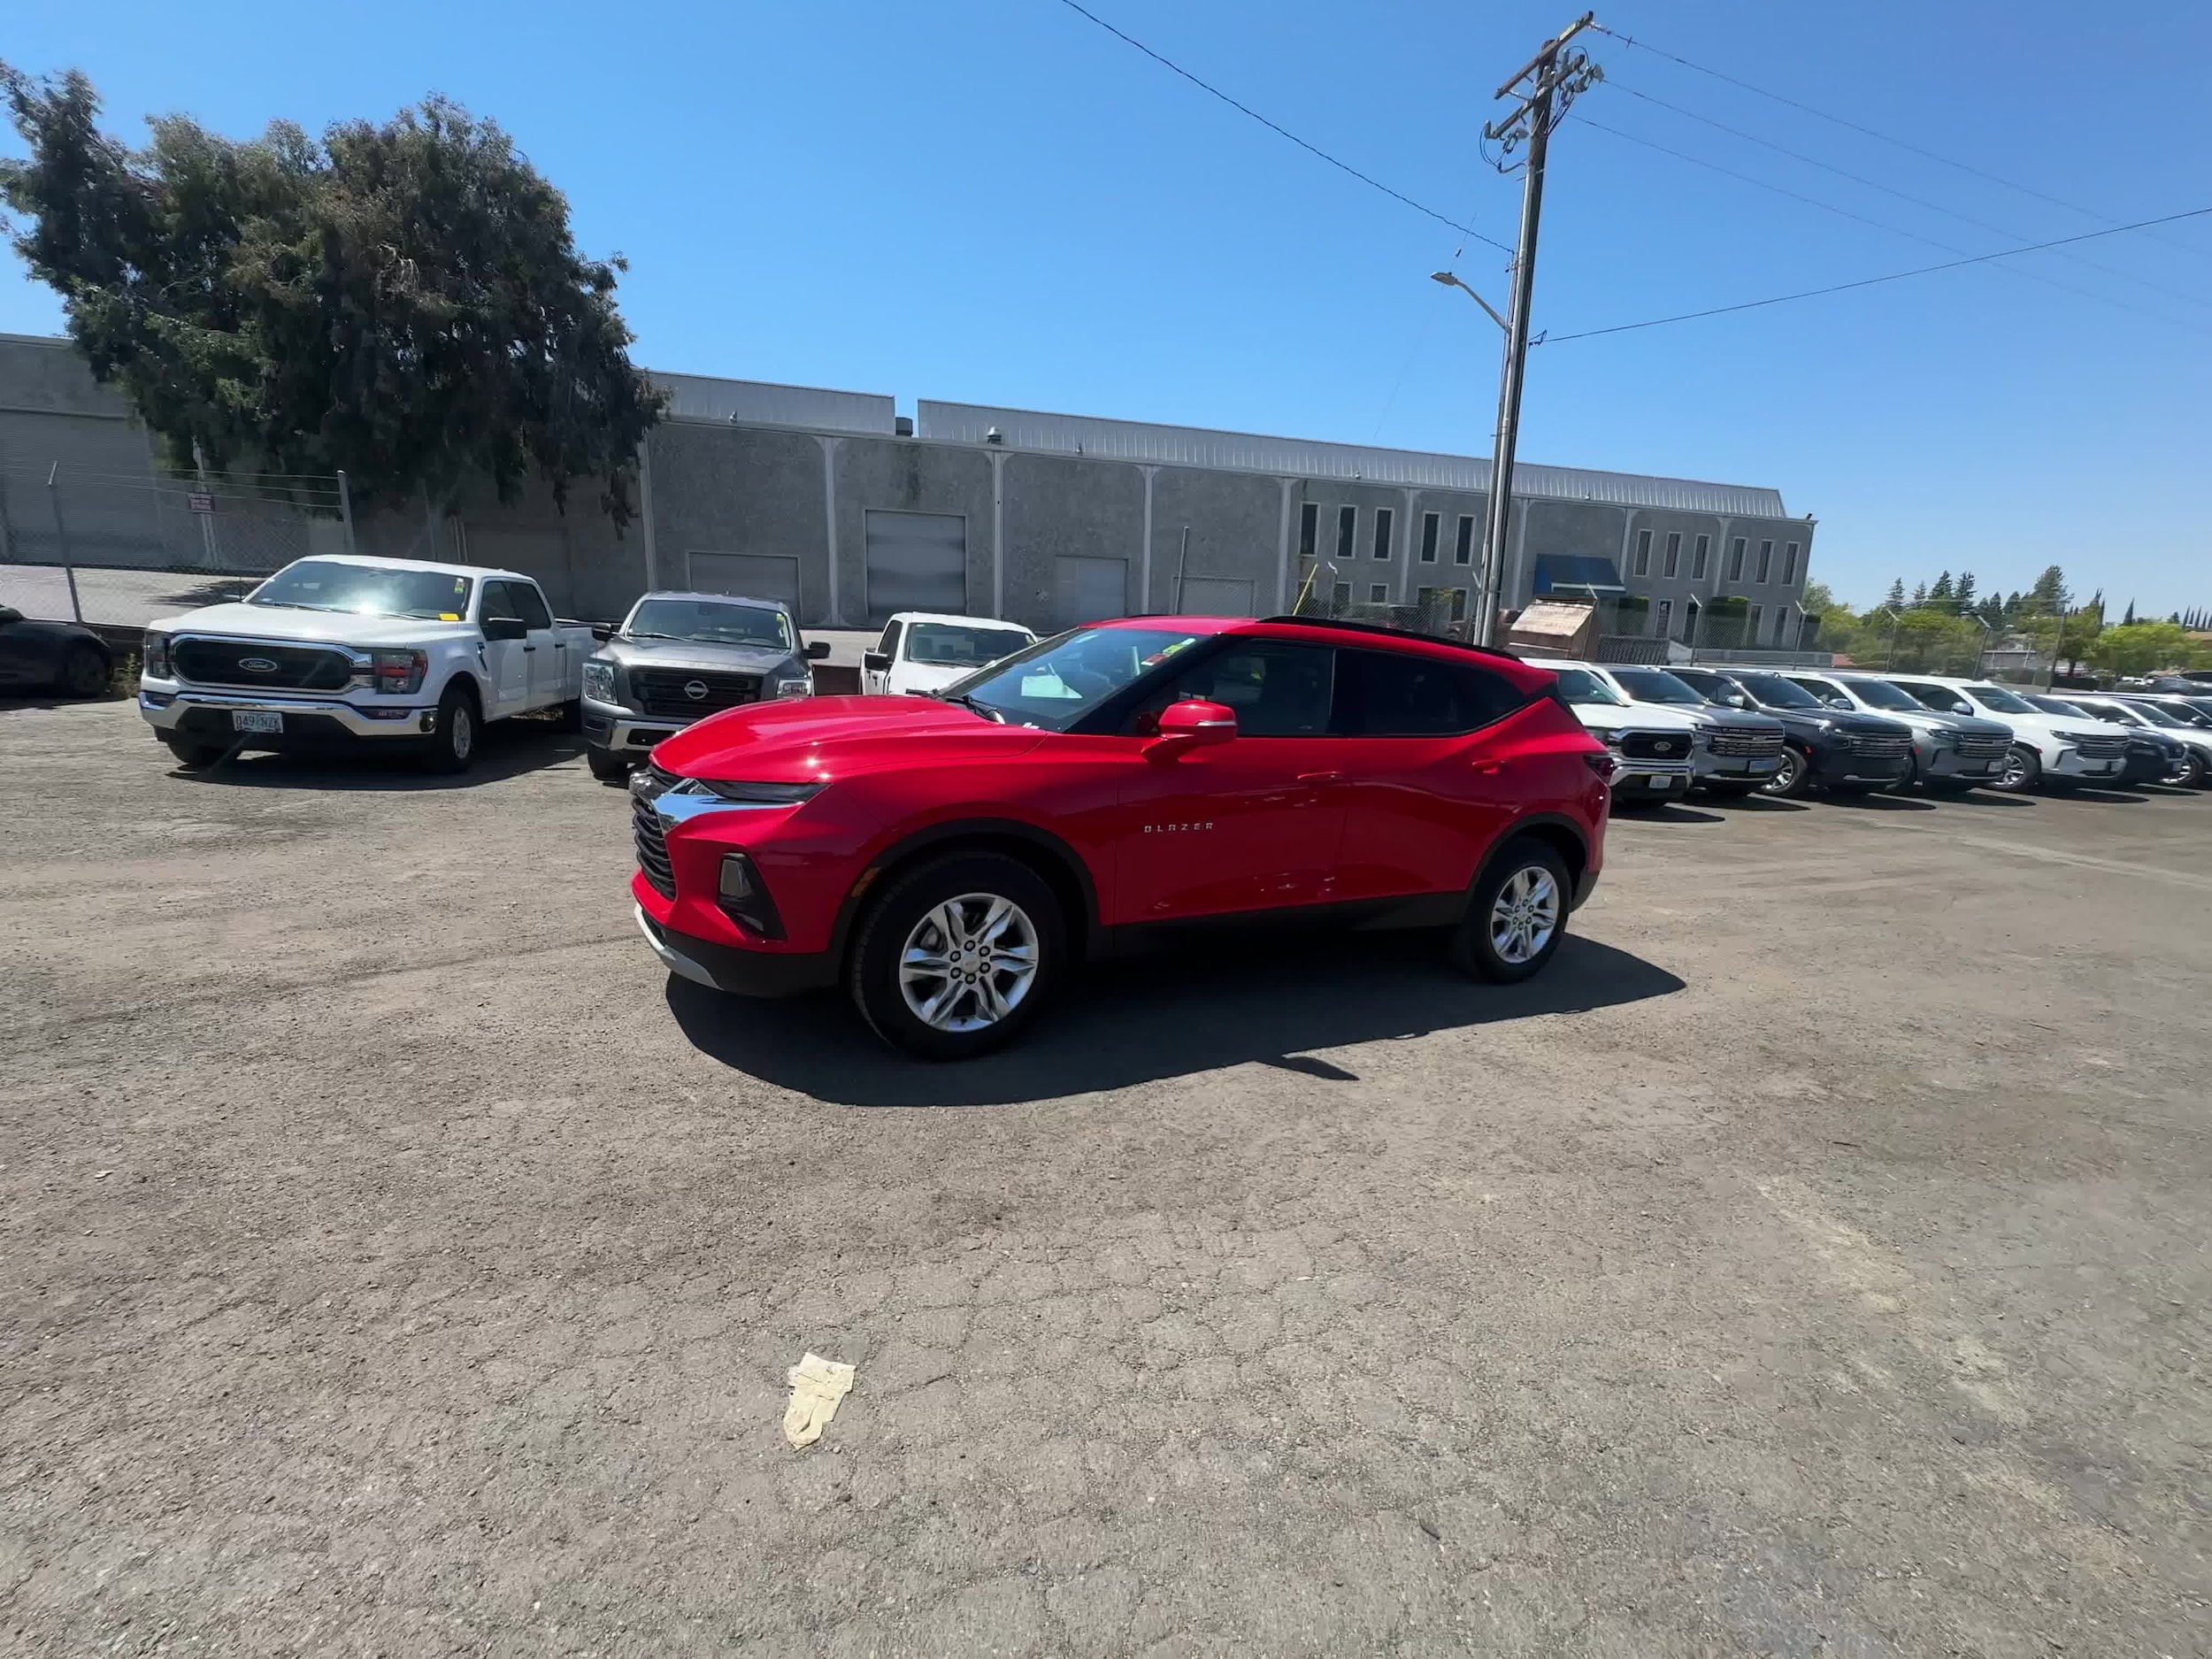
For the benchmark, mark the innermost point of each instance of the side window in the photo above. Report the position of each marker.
(530, 604)
(500, 603)
(890, 644)
(1831, 694)
(1396, 693)
(1277, 689)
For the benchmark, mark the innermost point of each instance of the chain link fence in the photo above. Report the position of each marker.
(117, 550)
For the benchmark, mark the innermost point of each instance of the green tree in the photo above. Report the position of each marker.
(1895, 597)
(1964, 594)
(2050, 594)
(401, 302)
(1939, 595)
(2141, 648)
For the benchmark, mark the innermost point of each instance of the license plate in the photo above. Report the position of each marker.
(1765, 766)
(255, 720)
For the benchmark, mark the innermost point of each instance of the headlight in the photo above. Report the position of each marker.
(397, 673)
(757, 794)
(599, 681)
(153, 657)
(791, 686)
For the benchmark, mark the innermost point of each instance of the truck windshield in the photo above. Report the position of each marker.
(1716, 688)
(368, 590)
(710, 622)
(949, 645)
(1996, 697)
(1880, 694)
(1778, 693)
(1579, 685)
(1056, 681)
(1654, 684)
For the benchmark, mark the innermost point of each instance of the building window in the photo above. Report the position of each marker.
(1735, 560)
(1643, 552)
(1766, 560)
(1674, 552)
(1463, 549)
(1459, 605)
(1697, 558)
(1384, 519)
(1340, 598)
(1430, 523)
(1346, 532)
(1751, 632)
(1378, 593)
(1692, 614)
(1309, 529)
(1665, 630)
(1789, 564)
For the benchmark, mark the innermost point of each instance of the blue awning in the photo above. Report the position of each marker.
(1572, 574)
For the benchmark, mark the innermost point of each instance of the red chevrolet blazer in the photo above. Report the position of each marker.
(949, 858)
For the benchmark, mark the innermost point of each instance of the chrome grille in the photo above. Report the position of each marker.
(1982, 745)
(207, 661)
(1881, 745)
(2095, 746)
(646, 827)
(669, 692)
(1746, 739)
(1674, 746)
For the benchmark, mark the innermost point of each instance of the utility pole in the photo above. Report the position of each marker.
(1559, 76)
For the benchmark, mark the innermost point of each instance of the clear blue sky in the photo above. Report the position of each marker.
(998, 203)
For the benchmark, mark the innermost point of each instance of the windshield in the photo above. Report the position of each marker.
(1878, 695)
(2149, 714)
(1715, 688)
(1998, 698)
(1056, 682)
(710, 622)
(1828, 692)
(2059, 705)
(1653, 685)
(952, 645)
(2114, 713)
(1778, 693)
(1579, 685)
(368, 590)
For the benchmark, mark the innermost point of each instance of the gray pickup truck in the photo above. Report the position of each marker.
(678, 657)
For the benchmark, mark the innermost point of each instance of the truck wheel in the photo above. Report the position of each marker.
(1790, 777)
(452, 746)
(2024, 770)
(1517, 916)
(570, 715)
(606, 765)
(84, 673)
(191, 754)
(955, 957)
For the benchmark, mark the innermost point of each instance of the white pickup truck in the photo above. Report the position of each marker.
(367, 654)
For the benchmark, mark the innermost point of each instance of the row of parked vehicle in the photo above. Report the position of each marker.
(1785, 732)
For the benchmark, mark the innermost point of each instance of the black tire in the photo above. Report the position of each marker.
(904, 912)
(605, 765)
(2022, 772)
(1476, 947)
(1791, 777)
(570, 715)
(191, 754)
(2199, 771)
(452, 746)
(84, 671)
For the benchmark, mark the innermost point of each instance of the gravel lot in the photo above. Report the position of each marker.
(397, 1261)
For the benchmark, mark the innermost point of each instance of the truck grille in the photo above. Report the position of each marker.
(2094, 746)
(1983, 745)
(646, 827)
(1881, 745)
(683, 695)
(214, 662)
(1673, 745)
(1742, 740)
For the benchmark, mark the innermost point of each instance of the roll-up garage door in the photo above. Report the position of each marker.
(917, 561)
(747, 576)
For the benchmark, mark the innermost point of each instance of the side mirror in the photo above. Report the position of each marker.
(504, 628)
(1838, 703)
(603, 632)
(817, 650)
(875, 662)
(1193, 723)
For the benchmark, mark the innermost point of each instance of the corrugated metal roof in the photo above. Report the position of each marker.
(1299, 457)
(763, 402)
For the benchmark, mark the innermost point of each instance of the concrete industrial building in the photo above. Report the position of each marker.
(835, 502)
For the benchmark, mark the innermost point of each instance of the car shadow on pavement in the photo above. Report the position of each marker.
(1986, 797)
(1736, 804)
(1670, 813)
(1164, 1016)
(2114, 797)
(507, 749)
(1873, 803)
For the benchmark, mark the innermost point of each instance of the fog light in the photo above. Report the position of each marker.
(745, 899)
(737, 876)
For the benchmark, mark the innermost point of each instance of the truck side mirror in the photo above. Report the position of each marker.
(505, 628)
(876, 662)
(817, 650)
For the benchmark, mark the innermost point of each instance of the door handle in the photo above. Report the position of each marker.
(529, 648)
(1320, 777)
(1487, 768)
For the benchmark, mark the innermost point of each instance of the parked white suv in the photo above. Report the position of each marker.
(1738, 750)
(1654, 749)
(363, 654)
(1950, 752)
(921, 652)
(2048, 749)
(2196, 740)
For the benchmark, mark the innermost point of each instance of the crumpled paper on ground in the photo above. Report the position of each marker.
(816, 1385)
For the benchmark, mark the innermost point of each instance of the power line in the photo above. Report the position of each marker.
(1978, 172)
(1282, 131)
(1867, 282)
(1895, 230)
(1875, 184)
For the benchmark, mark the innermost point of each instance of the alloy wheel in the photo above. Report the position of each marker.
(1525, 914)
(464, 733)
(967, 962)
(1786, 775)
(2016, 774)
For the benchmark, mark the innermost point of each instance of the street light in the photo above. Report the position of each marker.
(1450, 280)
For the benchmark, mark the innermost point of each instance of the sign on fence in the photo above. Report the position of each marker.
(200, 501)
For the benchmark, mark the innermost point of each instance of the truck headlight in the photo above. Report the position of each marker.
(397, 673)
(791, 686)
(599, 681)
(153, 655)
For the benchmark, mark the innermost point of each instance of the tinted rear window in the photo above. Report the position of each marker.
(1397, 694)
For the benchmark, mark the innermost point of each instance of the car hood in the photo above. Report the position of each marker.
(1964, 724)
(743, 659)
(808, 739)
(322, 627)
(930, 676)
(1839, 720)
(1608, 716)
(1719, 717)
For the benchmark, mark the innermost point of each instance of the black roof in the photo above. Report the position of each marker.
(1379, 630)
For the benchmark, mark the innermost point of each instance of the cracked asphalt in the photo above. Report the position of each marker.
(394, 1260)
